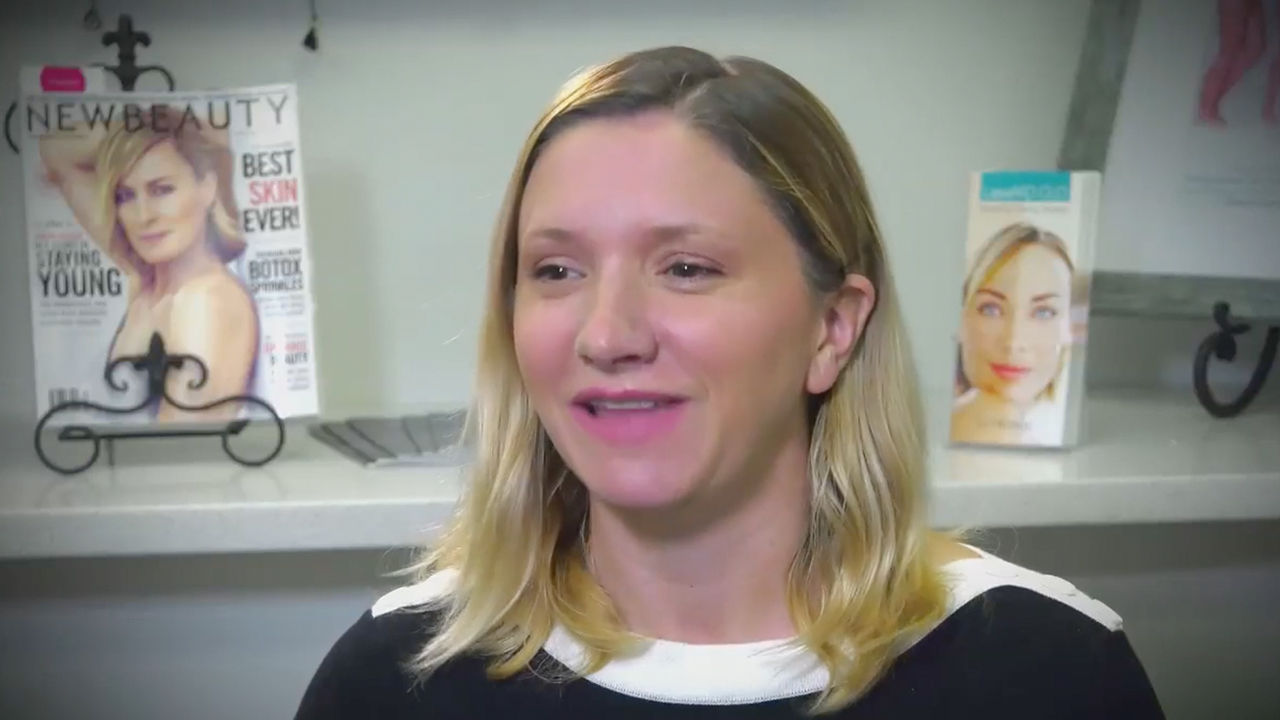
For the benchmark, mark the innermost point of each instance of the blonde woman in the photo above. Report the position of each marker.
(1015, 336)
(700, 487)
(159, 200)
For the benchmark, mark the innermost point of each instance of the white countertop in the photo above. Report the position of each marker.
(1147, 459)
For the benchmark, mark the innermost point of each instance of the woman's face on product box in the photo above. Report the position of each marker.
(1016, 326)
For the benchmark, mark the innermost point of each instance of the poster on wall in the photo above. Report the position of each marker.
(177, 216)
(1024, 308)
(1193, 166)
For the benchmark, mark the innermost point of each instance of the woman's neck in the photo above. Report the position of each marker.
(725, 583)
(172, 275)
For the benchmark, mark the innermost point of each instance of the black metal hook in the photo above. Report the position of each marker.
(126, 40)
(1222, 345)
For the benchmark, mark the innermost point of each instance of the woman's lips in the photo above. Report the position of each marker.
(635, 425)
(628, 417)
(1009, 372)
(153, 237)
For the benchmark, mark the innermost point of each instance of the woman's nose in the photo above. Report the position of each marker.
(1017, 334)
(615, 331)
(146, 210)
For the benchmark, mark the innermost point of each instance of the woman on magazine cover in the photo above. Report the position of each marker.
(699, 488)
(1015, 334)
(161, 205)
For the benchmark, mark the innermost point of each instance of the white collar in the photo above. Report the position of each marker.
(675, 672)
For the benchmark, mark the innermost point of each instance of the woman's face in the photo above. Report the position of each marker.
(1017, 325)
(662, 324)
(162, 206)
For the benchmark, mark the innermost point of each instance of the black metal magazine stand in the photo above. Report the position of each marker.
(157, 363)
(1222, 346)
(154, 367)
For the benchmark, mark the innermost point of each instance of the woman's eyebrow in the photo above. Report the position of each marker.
(663, 233)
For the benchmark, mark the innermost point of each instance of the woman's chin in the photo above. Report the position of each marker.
(159, 254)
(639, 479)
(1022, 396)
(1001, 393)
(153, 256)
(638, 492)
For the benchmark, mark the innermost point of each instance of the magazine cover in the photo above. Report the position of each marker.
(177, 216)
(1020, 350)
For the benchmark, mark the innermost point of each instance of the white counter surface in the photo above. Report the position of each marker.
(1147, 459)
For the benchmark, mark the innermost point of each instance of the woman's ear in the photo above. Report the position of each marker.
(844, 319)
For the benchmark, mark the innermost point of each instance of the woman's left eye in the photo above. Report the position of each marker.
(689, 271)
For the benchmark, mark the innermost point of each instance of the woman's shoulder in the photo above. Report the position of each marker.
(1003, 612)
(213, 295)
(986, 578)
(365, 671)
(1029, 639)
(217, 285)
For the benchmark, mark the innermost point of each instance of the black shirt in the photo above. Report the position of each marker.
(1015, 644)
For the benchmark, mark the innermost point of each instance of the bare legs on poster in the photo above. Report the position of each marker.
(1242, 42)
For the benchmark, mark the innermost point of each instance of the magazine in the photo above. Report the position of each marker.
(1019, 377)
(426, 440)
(175, 218)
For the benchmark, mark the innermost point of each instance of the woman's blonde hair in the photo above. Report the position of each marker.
(200, 148)
(999, 249)
(862, 587)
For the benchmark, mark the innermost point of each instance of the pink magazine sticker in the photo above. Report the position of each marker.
(62, 79)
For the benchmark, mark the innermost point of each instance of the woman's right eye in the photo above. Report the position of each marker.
(990, 309)
(123, 195)
(551, 271)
